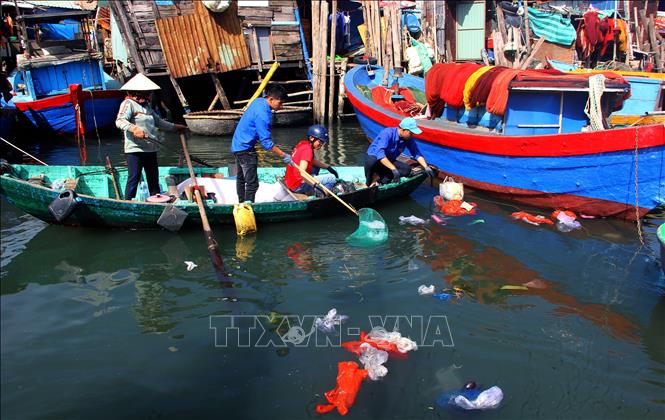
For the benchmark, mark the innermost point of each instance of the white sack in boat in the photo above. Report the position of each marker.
(225, 190)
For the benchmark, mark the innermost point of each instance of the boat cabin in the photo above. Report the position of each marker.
(49, 66)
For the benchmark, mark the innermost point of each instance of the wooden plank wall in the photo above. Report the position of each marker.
(285, 39)
(203, 42)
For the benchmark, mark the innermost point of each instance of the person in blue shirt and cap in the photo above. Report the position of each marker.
(381, 163)
(253, 127)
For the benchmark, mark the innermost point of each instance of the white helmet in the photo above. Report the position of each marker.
(140, 82)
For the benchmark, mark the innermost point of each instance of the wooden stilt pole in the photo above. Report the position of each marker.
(323, 21)
(221, 95)
(340, 97)
(331, 80)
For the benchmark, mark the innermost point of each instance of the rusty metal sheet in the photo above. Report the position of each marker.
(203, 42)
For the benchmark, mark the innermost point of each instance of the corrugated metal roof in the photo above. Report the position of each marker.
(64, 4)
(203, 42)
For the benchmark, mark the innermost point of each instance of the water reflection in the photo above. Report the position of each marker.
(481, 271)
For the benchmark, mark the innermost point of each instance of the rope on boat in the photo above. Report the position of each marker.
(593, 108)
(23, 151)
(640, 235)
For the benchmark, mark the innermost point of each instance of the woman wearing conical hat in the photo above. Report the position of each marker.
(139, 121)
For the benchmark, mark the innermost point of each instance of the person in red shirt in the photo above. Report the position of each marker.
(303, 156)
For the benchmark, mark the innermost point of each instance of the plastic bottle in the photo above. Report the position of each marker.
(143, 191)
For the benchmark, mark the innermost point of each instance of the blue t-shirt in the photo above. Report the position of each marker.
(253, 126)
(389, 144)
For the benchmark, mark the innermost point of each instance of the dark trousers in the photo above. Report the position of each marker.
(374, 166)
(136, 162)
(247, 180)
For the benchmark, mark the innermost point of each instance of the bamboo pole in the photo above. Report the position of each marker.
(263, 84)
(527, 29)
(331, 80)
(316, 67)
(323, 34)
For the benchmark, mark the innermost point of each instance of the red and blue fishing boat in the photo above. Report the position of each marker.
(60, 85)
(538, 153)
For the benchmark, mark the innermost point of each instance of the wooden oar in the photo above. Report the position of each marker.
(111, 170)
(213, 248)
(154, 140)
(316, 183)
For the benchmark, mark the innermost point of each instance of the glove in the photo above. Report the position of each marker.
(333, 171)
(430, 172)
(287, 159)
(396, 175)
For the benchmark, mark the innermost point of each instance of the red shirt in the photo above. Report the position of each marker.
(302, 151)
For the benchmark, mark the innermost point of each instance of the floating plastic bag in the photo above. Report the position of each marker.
(566, 220)
(442, 296)
(411, 220)
(354, 346)
(372, 229)
(373, 360)
(328, 322)
(190, 265)
(455, 207)
(425, 290)
(490, 398)
(531, 219)
(451, 190)
(404, 344)
(342, 397)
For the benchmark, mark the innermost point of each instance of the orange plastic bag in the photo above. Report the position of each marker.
(342, 397)
(531, 219)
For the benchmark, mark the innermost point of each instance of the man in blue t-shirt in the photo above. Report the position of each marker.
(381, 164)
(253, 127)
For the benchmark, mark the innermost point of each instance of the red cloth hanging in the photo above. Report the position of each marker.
(454, 85)
(435, 82)
(483, 86)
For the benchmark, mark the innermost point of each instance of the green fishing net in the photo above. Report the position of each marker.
(372, 229)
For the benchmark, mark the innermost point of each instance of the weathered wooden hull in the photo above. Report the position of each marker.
(292, 116)
(107, 212)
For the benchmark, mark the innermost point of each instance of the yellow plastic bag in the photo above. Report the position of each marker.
(244, 218)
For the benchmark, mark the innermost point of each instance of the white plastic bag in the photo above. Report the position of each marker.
(489, 398)
(404, 344)
(373, 360)
(426, 290)
(327, 324)
(451, 190)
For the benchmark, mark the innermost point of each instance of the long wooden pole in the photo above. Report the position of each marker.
(264, 83)
(213, 248)
(316, 183)
(331, 80)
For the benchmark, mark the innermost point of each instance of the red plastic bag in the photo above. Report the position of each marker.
(531, 219)
(354, 346)
(342, 397)
(453, 207)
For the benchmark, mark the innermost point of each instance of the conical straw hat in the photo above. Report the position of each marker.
(140, 82)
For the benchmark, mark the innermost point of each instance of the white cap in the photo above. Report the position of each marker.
(140, 82)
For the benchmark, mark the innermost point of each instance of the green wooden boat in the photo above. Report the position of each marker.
(29, 188)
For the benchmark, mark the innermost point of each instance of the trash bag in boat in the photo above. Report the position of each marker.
(343, 187)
